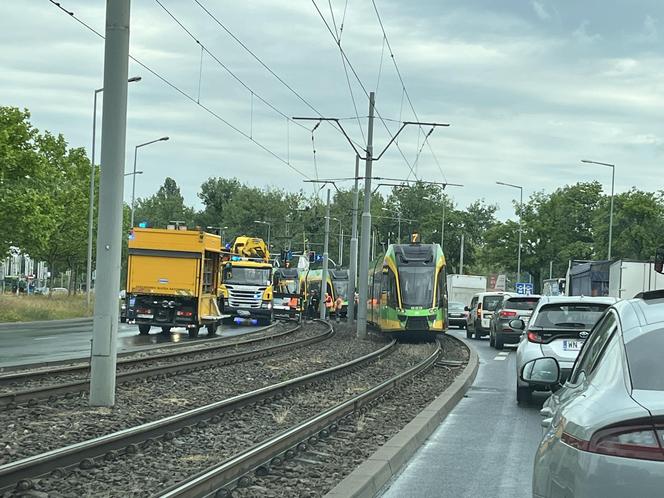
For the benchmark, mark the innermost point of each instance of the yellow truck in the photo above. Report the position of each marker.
(173, 280)
(245, 292)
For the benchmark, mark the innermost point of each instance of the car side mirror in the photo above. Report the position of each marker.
(541, 371)
(517, 324)
(466, 308)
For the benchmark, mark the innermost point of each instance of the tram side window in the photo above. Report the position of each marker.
(441, 292)
(392, 299)
(376, 286)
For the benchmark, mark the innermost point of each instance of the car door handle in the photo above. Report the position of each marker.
(546, 422)
(546, 412)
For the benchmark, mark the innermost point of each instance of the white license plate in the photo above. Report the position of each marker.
(142, 315)
(572, 345)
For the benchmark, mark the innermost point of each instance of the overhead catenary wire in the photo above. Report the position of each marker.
(359, 80)
(182, 92)
(260, 61)
(403, 85)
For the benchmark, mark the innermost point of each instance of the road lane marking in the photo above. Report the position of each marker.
(502, 356)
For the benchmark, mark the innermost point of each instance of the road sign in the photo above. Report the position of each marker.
(524, 288)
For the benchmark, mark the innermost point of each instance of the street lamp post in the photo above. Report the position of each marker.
(518, 264)
(613, 181)
(269, 228)
(133, 183)
(91, 207)
(341, 241)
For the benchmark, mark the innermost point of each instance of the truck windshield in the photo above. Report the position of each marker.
(247, 276)
(341, 289)
(416, 286)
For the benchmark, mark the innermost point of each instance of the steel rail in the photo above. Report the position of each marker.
(221, 479)
(32, 396)
(18, 475)
(36, 370)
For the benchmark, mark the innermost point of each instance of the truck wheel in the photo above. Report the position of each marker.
(165, 330)
(143, 329)
(193, 333)
(211, 328)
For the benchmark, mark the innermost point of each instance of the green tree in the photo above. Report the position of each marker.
(164, 206)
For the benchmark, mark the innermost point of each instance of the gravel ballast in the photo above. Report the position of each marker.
(31, 430)
(165, 463)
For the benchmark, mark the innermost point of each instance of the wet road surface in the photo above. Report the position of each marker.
(486, 445)
(42, 343)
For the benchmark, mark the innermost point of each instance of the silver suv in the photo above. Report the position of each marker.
(557, 328)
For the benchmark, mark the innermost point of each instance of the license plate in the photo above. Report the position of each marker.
(142, 315)
(572, 345)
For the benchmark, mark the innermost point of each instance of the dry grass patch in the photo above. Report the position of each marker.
(280, 416)
(36, 308)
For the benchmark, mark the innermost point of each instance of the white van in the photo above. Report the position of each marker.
(480, 312)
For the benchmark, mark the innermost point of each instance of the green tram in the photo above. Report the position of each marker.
(408, 288)
(337, 285)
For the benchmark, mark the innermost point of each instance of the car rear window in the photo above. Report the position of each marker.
(569, 315)
(454, 306)
(490, 303)
(522, 303)
(644, 355)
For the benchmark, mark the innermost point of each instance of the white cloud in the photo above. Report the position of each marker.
(582, 35)
(540, 10)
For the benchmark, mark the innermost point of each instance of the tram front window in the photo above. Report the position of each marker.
(341, 289)
(416, 286)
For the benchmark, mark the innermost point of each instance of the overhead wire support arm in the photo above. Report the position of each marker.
(403, 125)
(334, 120)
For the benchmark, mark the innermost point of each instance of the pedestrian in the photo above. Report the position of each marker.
(315, 302)
(356, 302)
(338, 307)
(329, 305)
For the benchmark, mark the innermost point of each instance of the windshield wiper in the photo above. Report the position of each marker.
(570, 324)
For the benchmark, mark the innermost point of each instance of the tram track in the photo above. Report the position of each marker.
(19, 476)
(11, 399)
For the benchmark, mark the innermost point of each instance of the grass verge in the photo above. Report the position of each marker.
(35, 308)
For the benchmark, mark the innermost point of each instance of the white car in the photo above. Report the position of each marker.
(557, 328)
(605, 426)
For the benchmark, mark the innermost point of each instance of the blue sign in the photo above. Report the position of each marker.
(524, 288)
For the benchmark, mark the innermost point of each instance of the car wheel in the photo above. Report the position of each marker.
(492, 341)
(499, 342)
(524, 395)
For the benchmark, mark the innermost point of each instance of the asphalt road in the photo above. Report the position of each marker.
(486, 445)
(43, 343)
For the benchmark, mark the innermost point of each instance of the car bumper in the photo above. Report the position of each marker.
(509, 337)
(457, 322)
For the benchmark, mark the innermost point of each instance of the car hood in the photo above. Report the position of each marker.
(653, 401)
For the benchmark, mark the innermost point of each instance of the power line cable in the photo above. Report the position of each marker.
(182, 92)
(403, 85)
(359, 80)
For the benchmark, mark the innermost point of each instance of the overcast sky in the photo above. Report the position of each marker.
(529, 87)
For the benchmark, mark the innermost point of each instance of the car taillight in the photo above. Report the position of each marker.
(506, 314)
(640, 441)
(187, 314)
(479, 312)
(534, 336)
(144, 311)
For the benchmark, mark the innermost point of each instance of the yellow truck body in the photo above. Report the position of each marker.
(173, 279)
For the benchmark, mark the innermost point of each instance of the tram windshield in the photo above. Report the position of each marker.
(287, 286)
(341, 289)
(416, 286)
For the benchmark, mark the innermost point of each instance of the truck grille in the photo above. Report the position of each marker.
(245, 296)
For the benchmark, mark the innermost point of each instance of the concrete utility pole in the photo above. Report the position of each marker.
(323, 283)
(366, 229)
(353, 246)
(109, 237)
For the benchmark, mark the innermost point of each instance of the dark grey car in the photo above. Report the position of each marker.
(510, 308)
(456, 314)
